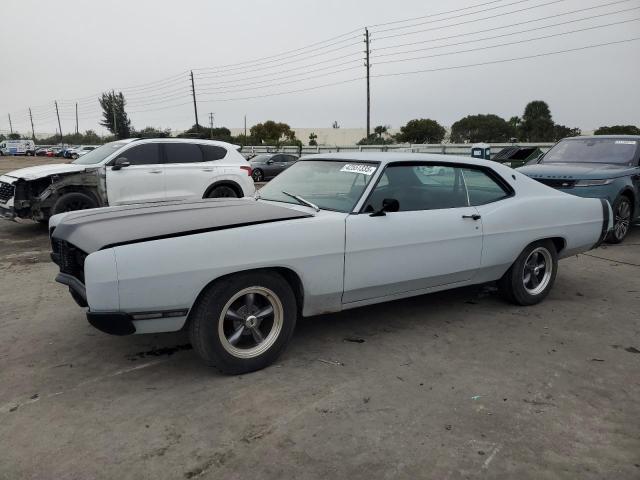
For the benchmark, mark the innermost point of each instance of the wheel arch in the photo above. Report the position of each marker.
(224, 183)
(290, 276)
(628, 192)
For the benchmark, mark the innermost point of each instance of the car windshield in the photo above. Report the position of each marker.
(99, 154)
(331, 185)
(592, 150)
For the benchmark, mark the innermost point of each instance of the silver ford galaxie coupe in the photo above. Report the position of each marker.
(332, 232)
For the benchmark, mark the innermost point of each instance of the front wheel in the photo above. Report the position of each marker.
(223, 191)
(243, 323)
(531, 277)
(257, 175)
(621, 219)
(73, 201)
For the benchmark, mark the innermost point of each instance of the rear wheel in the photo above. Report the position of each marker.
(222, 191)
(622, 212)
(70, 202)
(243, 323)
(532, 275)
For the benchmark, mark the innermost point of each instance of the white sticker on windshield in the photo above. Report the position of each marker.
(626, 142)
(358, 168)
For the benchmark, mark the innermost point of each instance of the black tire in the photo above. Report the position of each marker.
(206, 318)
(222, 191)
(70, 202)
(257, 175)
(75, 156)
(622, 216)
(514, 285)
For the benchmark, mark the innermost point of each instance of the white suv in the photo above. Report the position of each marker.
(127, 171)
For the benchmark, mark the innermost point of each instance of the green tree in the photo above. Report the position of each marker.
(482, 128)
(618, 130)
(380, 130)
(313, 139)
(274, 133)
(151, 132)
(560, 132)
(537, 123)
(422, 130)
(14, 136)
(113, 106)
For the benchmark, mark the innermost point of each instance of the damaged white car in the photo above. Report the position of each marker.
(127, 171)
(330, 233)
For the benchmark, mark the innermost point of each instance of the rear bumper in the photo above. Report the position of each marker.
(113, 323)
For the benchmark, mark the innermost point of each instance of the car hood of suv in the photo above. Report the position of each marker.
(96, 229)
(575, 171)
(41, 171)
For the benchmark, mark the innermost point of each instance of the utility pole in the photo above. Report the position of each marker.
(59, 125)
(76, 118)
(245, 127)
(113, 107)
(195, 106)
(10, 124)
(211, 123)
(368, 66)
(33, 132)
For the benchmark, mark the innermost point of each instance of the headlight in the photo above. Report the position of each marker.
(593, 183)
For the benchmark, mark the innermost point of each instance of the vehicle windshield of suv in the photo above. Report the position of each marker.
(331, 185)
(99, 154)
(592, 150)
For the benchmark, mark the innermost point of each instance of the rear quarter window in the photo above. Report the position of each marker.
(213, 152)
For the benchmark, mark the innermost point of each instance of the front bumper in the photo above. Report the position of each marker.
(7, 213)
(113, 323)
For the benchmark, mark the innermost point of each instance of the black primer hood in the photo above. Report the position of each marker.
(92, 230)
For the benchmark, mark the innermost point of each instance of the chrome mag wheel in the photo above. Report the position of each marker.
(537, 272)
(622, 219)
(250, 322)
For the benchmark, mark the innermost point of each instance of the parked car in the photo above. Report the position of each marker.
(268, 165)
(75, 152)
(127, 171)
(596, 167)
(41, 151)
(335, 231)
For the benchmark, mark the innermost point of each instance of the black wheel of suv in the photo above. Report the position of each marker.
(257, 175)
(622, 214)
(223, 191)
(532, 275)
(70, 202)
(243, 323)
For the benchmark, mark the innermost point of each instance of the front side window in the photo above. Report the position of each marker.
(145, 154)
(419, 188)
(331, 185)
(182, 153)
(482, 188)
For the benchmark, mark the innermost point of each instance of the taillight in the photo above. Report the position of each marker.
(248, 169)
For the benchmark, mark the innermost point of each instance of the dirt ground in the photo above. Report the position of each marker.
(453, 385)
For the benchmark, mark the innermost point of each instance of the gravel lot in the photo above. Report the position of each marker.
(446, 386)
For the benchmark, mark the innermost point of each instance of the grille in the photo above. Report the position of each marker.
(6, 191)
(557, 182)
(69, 258)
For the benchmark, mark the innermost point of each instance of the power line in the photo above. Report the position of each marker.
(466, 22)
(493, 62)
(524, 9)
(543, 37)
(448, 37)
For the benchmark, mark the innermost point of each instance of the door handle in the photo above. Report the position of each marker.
(207, 169)
(155, 171)
(475, 216)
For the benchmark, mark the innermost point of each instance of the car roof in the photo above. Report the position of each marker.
(613, 137)
(183, 140)
(393, 157)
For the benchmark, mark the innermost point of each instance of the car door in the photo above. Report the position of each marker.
(434, 239)
(187, 175)
(289, 160)
(141, 181)
(274, 165)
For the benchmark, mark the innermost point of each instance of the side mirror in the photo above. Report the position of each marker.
(388, 205)
(120, 163)
(269, 162)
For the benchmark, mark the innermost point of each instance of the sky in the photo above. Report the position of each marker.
(302, 62)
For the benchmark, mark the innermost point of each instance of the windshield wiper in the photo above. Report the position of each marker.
(302, 201)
